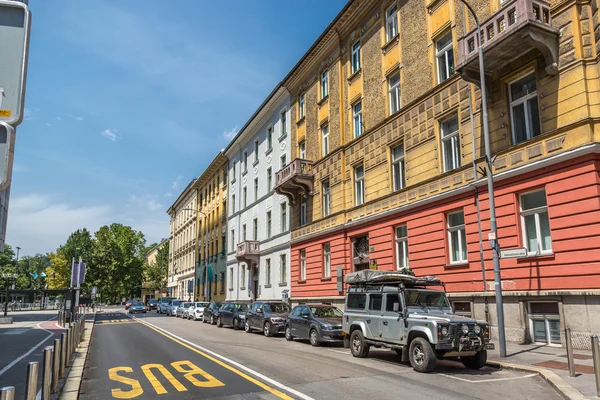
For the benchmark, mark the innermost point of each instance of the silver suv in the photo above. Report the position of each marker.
(403, 313)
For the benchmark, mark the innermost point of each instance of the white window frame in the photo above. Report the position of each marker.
(327, 260)
(256, 189)
(451, 139)
(245, 196)
(303, 264)
(301, 105)
(283, 160)
(230, 278)
(303, 207)
(302, 150)
(398, 163)
(542, 317)
(461, 246)
(245, 160)
(255, 228)
(325, 139)
(244, 232)
(401, 244)
(233, 240)
(269, 179)
(355, 60)
(391, 22)
(269, 137)
(233, 204)
(443, 53)
(394, 92)
(283, 268)
(268, 272)
(256, 147)
(269, 224)
(283, 122)
(324, 84)
(233, 170)
(534, 211)
(359, 186)
(357, 119)
(326, 198)
(525, 99)
(243, 277)
(283, 215)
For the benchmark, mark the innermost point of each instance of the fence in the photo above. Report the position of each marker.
(56, 359)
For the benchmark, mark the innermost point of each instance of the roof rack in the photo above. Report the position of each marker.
(374, 277)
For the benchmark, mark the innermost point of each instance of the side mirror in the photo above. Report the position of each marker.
(396, 307)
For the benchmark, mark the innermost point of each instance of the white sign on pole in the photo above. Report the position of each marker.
(513, 253)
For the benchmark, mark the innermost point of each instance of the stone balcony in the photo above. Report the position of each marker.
(518, 27)
(248, 251)
(295, 179)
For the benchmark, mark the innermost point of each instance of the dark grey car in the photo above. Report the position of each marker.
(268, 316)
(319, 323)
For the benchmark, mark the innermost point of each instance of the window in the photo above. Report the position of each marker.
(233, 203)
(222, 277)
(401, 247)
(282, 268)
(245, 161)
(283, 160)
(303, 210)
(326, 199)
(256, 151)
(301, 106)
(524, 109)
(398, 167)
(268, 224)
(357, 118)
(325, 139)
(390, 300)
(244, 232)
(359, 185)
(450, 143)
(302, 265)
(269, 138)
(245, 196)
(233, 170)
(255, 189)
(357, 301)
(462, 308)
(544, 320)
(283, 217)
(255, 229)
(231, 278)
(375, 301)
(391, 23)
(283, 122)
(243, 277)
(269, 179)
(535, 223)
(457, 237)
(268, 272)
(302, 150)
(394, 92)
(326, 260)
(356, 57)
(445, 57)
(324, 84)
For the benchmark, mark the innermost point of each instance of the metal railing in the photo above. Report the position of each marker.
(56, 359)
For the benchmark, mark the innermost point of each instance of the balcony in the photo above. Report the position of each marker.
(518, 27)
(248, 251)
(295, 179)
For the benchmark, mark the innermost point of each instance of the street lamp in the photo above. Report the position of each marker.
(490, 183)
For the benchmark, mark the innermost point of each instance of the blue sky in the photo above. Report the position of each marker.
(127, 101)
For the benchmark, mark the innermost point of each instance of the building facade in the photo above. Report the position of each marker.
(183, 244)
(258, 218)
(211, 187)
(388, 168)
(150, 257)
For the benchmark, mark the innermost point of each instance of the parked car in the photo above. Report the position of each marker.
(128, 304)
(196, 311)
(232, 314)
(269, 317)
(163, 304)
(137, 307)
(172, 307)
(210, 312)
(183, 309)
(407, 315)
(152, 304)
(319, 323)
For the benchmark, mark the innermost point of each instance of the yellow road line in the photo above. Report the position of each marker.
(116, 323)
(258, 383)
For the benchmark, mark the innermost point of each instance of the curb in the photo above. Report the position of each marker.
(70, 390)
(565, 389)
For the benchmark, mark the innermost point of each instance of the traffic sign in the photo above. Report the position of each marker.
(513, 253)
(7, 152)
(5, 276)
(15, 25)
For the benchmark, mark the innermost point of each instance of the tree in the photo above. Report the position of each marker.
(7, 263)
(59, 271)
(156, 272)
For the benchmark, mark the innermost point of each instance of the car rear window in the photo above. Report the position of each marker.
(176, 302)
(357, 301)
(185, 305)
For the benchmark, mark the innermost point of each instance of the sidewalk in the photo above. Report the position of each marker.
(554, 359)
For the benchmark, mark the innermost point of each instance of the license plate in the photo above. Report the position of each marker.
(490, 346)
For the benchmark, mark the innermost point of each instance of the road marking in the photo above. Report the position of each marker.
(339, 351)
(227, 363)
(488, 380)
(115, 322)
(158, 387)
(136, 388)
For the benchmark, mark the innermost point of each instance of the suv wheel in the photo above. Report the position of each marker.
(235, 324)
(475, 362)
(219, 324)
(203, 319)
(267, 329)
(314, 338)
(422, 358)
(247, 327)
(288, 333)
(212, 319)
(358, 347)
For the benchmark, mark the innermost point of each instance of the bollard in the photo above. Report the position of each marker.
(47, 373)
(56, 365)
(570, 360)
(596, 356)
(69, 340)
(63, 354)
(31, 383)
(7, 393)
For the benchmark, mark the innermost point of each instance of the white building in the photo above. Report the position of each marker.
(183, 244)
(258, 259)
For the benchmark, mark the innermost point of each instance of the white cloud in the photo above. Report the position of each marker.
(168, 194)
(28, 114)
(147, 201)
(48, 124)
(110, 134)
(19, 168)
(75, 117)
(175, 183)
(59, 118)
(231, 134)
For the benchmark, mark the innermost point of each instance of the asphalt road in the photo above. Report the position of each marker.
(151, 356)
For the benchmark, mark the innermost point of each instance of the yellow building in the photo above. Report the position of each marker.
(387, 135)
(211, 188)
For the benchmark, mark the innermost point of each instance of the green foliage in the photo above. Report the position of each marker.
(59, 271)
(156, 272)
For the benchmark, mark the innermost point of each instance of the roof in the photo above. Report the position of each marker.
(185, 192)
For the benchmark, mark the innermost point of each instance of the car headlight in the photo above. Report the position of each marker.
(444, 331)
(465, 329)
(277, 320)
(477, 329)
(327, 327)
(242, 317)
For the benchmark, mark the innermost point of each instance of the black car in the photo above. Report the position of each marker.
(152, 304)
(210, 312)
(232, 314)
(319, 323)
(268, 316)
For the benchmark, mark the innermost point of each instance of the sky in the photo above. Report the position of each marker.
(128, 101)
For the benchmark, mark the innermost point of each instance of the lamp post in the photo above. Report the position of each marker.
(490, 183)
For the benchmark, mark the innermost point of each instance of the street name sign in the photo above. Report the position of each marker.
(513, 253)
